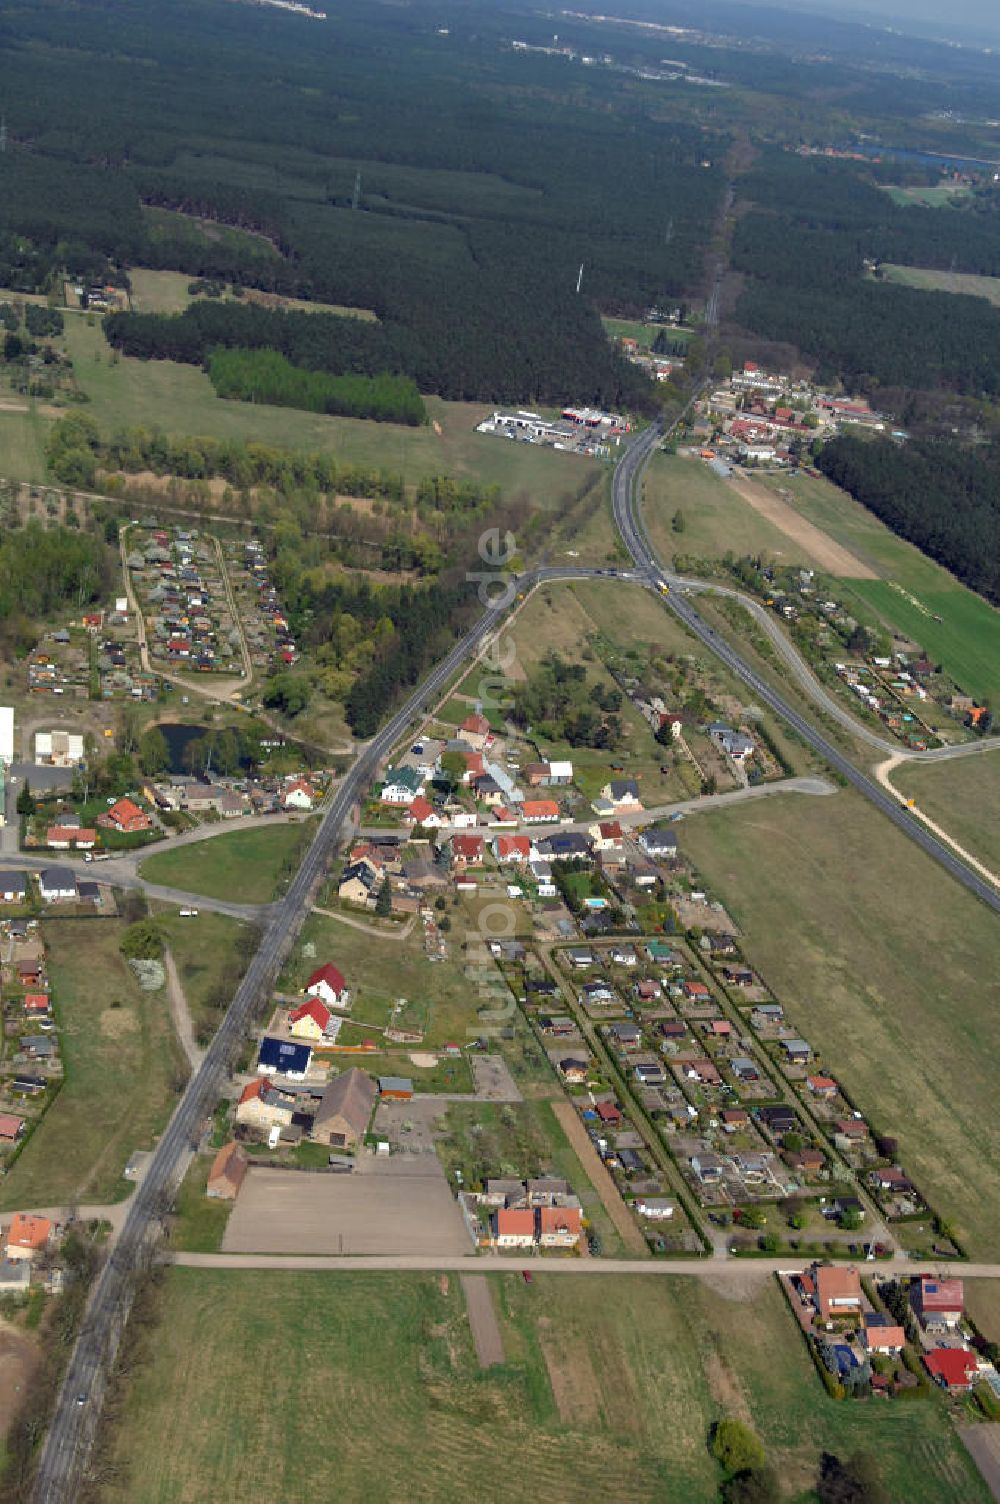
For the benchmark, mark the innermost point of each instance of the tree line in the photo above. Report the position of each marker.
(264, 375)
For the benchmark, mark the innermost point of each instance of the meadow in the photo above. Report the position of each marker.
(123, 1069)
(912, 590)
(963, 796)
(604, 1378)
(243, 866)
(884, 964)
(208, 961)
(717, 520)
(930, 280)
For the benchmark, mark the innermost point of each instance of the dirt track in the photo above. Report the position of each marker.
(820, 547)
(605, 1187)
(482, 1319)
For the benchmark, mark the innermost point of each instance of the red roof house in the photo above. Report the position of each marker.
(11, 1127)
(27, 1235)
(512, 848)
(328, 984)
(468, 850)
(952, 1367)
(37, 1002)
(822, 1086)
(537, 811)
(310, 1020)
(559, 1226)
(514, 1227)
(609, 1112)
(421, 812)
(126, 816)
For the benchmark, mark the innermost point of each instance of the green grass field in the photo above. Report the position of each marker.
(167, 292)
(22, 442)
(967, 638)
(883, 962)
(716, 518)
(180, 399)
(381, 971)
(608, 1385)
(206, 954)
(939, 281)
(931, 198)
(244, 866)
(963, 796)
(122, 1067)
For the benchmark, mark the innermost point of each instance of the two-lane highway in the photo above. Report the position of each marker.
(627, 504)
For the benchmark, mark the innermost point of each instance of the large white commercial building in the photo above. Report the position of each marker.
(6, 734)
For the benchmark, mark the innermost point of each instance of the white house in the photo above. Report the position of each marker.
(402, 785)
(299, 795)
(656, 1208)
(6, 734)
(329, 986)
(55, 883)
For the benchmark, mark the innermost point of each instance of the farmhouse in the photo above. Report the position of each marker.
(359, 884)
(227, 1174)
(261, 1105)
(539, 811)
(11, 1128)
(345, 1110)
(559, 1226)
(476, 730)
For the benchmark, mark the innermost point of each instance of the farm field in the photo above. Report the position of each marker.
(982, 1302)
(179, 399)
(929, 280)
(207, 953)
(963, 796)
(626, 1373)
(122, 1064)
(911, 588)
(717, 520)
(883, 963)
(244, 866)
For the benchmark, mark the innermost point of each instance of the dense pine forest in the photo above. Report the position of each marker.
(939, 494)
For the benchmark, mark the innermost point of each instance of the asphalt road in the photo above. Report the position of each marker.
(721, 1268)
(625, 498)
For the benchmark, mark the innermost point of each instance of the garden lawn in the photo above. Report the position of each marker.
(604, 1378)
(123, 1068)
(243, 866)
(886, 966)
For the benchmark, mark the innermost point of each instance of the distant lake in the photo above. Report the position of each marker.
(925, 158)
